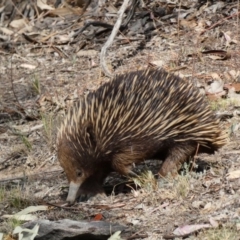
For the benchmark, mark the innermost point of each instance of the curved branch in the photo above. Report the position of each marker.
(111, 38)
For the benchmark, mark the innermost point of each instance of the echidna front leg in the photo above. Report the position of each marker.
(122, 163)
(177, 155)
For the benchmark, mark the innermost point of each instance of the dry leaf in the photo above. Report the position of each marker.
(87, 53)
(135, 222)
(208, 206)
(62, 39)
(217, 54)
(200, 27)
(238, 226)
(6, 31)
(188, 24)
(215, 87)
(158, 63)
(234, 73)
(215, 76)
(25, 233)
(116, 236)
(213, 222)
(20, 23)
(234, 86)
(233, 95)
(43, 5)
(64, 12)
(24, 214)
(98, 217)
(197, 204)
(233, 175)
(28, 66)
(180, 231)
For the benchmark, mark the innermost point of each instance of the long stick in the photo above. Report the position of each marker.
(111, 38)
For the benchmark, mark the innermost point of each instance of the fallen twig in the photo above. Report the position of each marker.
(36, 175)
(219, 22)
(111, 38)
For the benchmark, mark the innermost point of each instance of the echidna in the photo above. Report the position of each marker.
(147, 114)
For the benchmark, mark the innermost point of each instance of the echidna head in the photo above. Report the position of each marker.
(74, 169)
(85, 172)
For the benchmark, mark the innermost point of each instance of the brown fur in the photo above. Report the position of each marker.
(139, 115)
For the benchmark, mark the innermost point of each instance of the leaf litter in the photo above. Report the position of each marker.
(47, 63)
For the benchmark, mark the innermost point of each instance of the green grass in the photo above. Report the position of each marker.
(13, 223)
(36, 86)
(24, 139)
(47, 120)
(26, 142)
(13, 197)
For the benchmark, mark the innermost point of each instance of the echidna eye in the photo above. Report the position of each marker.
(79, 173)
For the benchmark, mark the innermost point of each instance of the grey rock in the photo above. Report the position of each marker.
(77, 230)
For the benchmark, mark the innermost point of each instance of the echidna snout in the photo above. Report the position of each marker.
(73, 191)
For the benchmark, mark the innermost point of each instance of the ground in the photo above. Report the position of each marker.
(39, 82)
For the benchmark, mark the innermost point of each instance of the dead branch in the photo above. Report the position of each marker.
(34, 174)
(111, 38)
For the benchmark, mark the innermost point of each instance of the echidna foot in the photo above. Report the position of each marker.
(92, 197)
(169, 168)
(98, 197)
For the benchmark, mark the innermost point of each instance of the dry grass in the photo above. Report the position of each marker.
(13, 200)
(47, 120)
(224, 104)
(146, 181)
(35, 85)
(223, 233)
(9, 225)
(14, 197)
(169, 188)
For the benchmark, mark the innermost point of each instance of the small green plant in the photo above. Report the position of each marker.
(24, 138)
(218, 105)
(2, 193)
(13, 223)
(233, 130)
(16, 199)
(36, 85)
(9, 225)
(74, 59)
(182, 186)
(186, 168)
(146, 180)
(26, 142)
(223, 104)
(13, 196)
(47, 120)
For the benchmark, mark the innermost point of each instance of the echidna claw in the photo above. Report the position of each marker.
(132, 174)
(98, 197)
(92, 197)
(83, 197)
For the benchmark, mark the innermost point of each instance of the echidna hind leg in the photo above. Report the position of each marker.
(177, 155)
